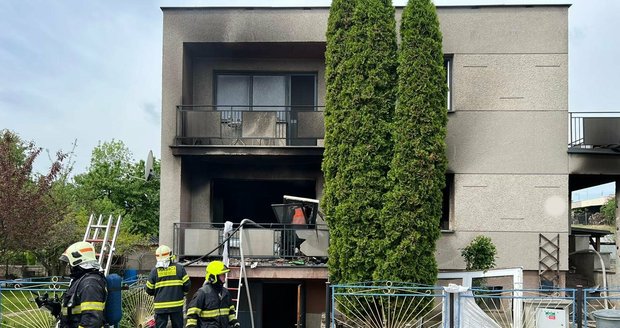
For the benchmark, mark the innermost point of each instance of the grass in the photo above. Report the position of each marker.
(19, 310)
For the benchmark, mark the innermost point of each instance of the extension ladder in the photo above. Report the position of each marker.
(98, 234)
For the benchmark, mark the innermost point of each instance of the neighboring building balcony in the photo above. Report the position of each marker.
(271, 242)
(249, 126)
(594, 132)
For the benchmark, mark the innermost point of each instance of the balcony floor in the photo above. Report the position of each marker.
(257, 151)
(269, 269)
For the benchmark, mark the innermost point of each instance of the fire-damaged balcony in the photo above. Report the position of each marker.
(268, 242)
(249, 126)
(595, 133)
(297, 235)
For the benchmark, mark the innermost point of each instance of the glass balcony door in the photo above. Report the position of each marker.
(285, 94)
(303, 98)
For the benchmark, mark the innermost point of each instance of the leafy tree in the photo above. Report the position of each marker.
(114, 185)
(67, 230)
(28, 210)
(608, 210)
(413, 206)
(361, 75)
(60, 236)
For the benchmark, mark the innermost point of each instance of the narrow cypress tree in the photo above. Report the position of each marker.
(361, 79)
(412, 211)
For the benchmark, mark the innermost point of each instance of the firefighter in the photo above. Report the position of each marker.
(168, 283)
(211, 306)
(83, 303)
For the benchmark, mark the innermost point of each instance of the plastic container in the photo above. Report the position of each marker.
(113, 306)
(130, 276)
(607, 318)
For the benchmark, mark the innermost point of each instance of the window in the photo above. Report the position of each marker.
(447, 64)
(448, 196)
(264, 92)
(288, 95)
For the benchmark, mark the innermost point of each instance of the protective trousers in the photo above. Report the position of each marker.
(176, 318)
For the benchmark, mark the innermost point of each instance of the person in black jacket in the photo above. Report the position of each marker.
(211, 306)
(83, 303)
(169, 283)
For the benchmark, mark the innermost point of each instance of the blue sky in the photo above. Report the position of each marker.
(90, 71)
(602, 191)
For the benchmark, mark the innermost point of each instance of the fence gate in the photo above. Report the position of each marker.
(386, 304)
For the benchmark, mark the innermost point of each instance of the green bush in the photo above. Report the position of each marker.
(480, 254)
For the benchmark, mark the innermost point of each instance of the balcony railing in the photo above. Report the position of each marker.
(594, 132)
(194, 239)
(250, 125)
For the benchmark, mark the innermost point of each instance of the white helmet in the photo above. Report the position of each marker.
(81, 253)
(163, 255)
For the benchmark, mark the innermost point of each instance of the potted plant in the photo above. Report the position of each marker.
(480, 255)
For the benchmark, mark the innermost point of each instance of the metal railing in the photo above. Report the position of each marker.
(594, 131)
(19, 309)
(219, 125)
(272, 241)
(391, 304)
(500, 305)
(595, 299)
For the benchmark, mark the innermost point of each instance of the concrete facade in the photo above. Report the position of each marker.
(507, 131)
(509, 92)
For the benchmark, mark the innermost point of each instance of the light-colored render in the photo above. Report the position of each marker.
(507, 133)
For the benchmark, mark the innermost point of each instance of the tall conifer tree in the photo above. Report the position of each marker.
(413, 205)
(361, 78)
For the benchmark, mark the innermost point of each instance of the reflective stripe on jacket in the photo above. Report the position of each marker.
(210, 307)
(169, 286)
(83, 303)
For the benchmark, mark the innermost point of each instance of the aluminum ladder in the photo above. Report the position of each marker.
(98, 233)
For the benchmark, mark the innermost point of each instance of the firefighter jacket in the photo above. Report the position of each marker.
(211, 307)
(83, 303)
(169, 286)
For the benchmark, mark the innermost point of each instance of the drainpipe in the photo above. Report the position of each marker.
(600, 258)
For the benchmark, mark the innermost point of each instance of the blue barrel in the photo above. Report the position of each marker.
(113, 304)
(131, 275)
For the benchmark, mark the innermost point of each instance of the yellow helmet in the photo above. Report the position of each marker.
(163, 253)
(214, 269)
(79, 253)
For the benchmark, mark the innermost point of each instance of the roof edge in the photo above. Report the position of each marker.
(567, 4)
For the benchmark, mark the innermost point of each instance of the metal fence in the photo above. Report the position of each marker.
(18, 308)
(386, 304)
(400, 305)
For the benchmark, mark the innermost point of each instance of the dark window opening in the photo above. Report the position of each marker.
(235, 200)
(447, 202)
